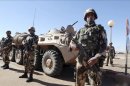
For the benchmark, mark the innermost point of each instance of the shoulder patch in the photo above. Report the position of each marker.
(100, 27)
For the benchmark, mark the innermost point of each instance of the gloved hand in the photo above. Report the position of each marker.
(92, 61)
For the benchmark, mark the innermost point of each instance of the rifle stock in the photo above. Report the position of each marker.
(5, 48)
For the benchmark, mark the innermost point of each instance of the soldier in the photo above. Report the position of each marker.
(7, 46)
(69, 34)
(30, 44)
(91, 41)
(62, 30)
(111, 54)
(2, 45)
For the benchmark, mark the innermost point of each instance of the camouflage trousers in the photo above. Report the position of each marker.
(83, 74)
(110, 59)
(5, 55)
(29, 61)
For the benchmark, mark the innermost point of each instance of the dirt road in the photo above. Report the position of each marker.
(9, 77)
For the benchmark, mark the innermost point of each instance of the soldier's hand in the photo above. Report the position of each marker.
(92, 61)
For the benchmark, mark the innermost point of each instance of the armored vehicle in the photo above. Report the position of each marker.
(16, 54)
(53, 50)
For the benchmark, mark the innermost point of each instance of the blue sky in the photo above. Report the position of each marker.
(17, 16)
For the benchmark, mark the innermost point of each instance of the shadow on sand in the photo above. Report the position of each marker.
(46, 83)
(67, 74)
(22, 71)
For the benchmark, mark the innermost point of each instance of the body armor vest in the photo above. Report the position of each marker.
(7, 41)
(30, 40)
(89, 38)
(111, 50)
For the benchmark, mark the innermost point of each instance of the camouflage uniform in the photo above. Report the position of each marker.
(30, 43)
(7, 46)
(92, 39)
(2, 45)
(111, 55)
(68, 38)
(69, 33)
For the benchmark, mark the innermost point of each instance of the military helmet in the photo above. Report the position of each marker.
(31, 29)
(8, 32)
(90, 10)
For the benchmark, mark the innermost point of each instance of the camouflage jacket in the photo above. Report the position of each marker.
(92, 38)
(30, 41)
(8, 41)
(111, 50)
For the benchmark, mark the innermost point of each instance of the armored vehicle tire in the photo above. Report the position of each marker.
(38, 60)
(52, 63)
(19, 56)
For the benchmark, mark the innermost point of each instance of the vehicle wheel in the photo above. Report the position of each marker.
(52, 63)
(38, 60)
(19, 56)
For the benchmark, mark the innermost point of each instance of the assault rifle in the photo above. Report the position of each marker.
(83, 59)
(5, 46)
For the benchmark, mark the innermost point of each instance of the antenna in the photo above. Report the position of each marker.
(74, 23)
(34, 16)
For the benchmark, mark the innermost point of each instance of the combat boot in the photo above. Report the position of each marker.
(30, 79)
(24, 75)
(3, 65)
(6, 66)
(106, 64)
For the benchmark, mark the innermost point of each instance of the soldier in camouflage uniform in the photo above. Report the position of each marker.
(91, 42)
(69, 34)
(30, 44)
(111, 54)
(7, 46)
(2, 45)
